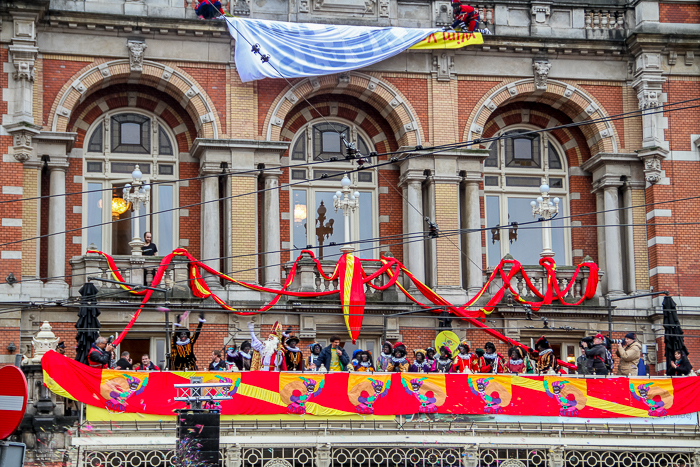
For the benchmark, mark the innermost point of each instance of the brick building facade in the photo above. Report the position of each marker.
(90, 89)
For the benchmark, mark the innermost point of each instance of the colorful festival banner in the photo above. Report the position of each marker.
(381, 394)
(449, 40)
(352, 284)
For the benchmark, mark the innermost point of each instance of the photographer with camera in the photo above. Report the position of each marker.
(629, 350)
(101, 354)
(595, 354)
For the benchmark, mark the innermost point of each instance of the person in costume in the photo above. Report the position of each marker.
(209, 9)
(384, 357)
(420, 364)
(430, 356)
(312, 360)
(100, 355)
(398, 363)
(495, 363)
(293, 357)
(492, 401)
(443, 364)
(518, 361)
(466, 19)
(240, 357)
(334, 357)
(366, 403)
(427, 401)
(268, 355)
(61, 348)
(182, 348)
(354, 361)
(465, 361)
(546, 360)
(363, 362)
(298, 402)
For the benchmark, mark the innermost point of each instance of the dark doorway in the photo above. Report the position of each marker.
(136, 348)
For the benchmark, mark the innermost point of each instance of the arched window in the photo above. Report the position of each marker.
(117, 142)
(513, 173)
(314, 220)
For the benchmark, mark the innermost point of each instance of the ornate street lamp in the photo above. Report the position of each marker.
(545, 210)
(348, 202)
(136, 193)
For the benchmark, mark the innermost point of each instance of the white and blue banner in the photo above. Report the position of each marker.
(300, 50)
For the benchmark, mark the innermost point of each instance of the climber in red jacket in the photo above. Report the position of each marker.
(466, 18)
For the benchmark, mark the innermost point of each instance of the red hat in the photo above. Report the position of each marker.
(456, 1)
(599, 336)
(399, 344)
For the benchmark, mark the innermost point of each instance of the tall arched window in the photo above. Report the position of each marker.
(314, 220)
(116, 143)
(513, 173)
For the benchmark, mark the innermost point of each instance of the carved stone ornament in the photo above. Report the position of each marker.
(44, 341)
(512, 463)
(242, 8)
(652, 169)
(278, 463)
(541, 13)
(303, 6)
(136, 50)
(22, 137)
(383, 8)
(443, 66)
(24, 70)
(649, 99)
(541, 70)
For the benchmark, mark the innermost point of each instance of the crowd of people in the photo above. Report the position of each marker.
(280, 351)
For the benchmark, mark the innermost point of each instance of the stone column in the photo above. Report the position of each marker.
(613, 247)
(271, 229)
(57, 219)
(472, 203)
(415, 224)
(628, 218)
(211, 243)
(600, 231)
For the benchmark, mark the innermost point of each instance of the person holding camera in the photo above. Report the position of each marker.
(629, 351)
(595, 355)
(100, 355)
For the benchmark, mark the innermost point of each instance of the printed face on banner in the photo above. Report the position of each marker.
(118, 387)
(430, 393)
(494, 391)
(365, 392)
(570, 394)
(297, 391)
(655, 395)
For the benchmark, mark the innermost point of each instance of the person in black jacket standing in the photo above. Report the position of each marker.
(334, 357)
(680, 365)
(596, 355)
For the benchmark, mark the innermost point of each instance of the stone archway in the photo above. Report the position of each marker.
(174, 82)
(381, 95)
(601, 136)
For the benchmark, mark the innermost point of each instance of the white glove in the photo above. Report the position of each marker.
(251, 326)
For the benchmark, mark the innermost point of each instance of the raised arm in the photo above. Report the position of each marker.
(255, 343)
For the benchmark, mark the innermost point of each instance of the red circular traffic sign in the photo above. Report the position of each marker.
(13, 399)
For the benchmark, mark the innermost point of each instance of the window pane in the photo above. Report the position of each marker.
(96, 140)
(492, 160)
(493, 215)
(363, 147)
(522, 152)
(366, 223)
(331, 141)
(298, 174)
(94, 215)
(130, 133)
(331, 174)
(330, 225)
(299, 224)
(299, 152)
(166, 169)
(522, 149)
(94, 167)
(523, 181)
(165, 147)
(556, 182)
(365, 177)
(554, 161)
(558, 245)
(128, 168)
(528, 246)
(164, 241)
(491, 180)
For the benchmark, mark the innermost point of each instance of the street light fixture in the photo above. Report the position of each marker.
(545, 210)
(348, 202)
(136, 193)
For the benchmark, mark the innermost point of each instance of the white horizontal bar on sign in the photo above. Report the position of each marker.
(12, 403)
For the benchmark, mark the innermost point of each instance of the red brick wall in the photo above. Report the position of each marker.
(470, 92)
(267, 90)
(688, 13)
(682, 123)
(190, 226)
(610, 97)
(211, 338)
(55, 74)
(214, 83)
(416, 92)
